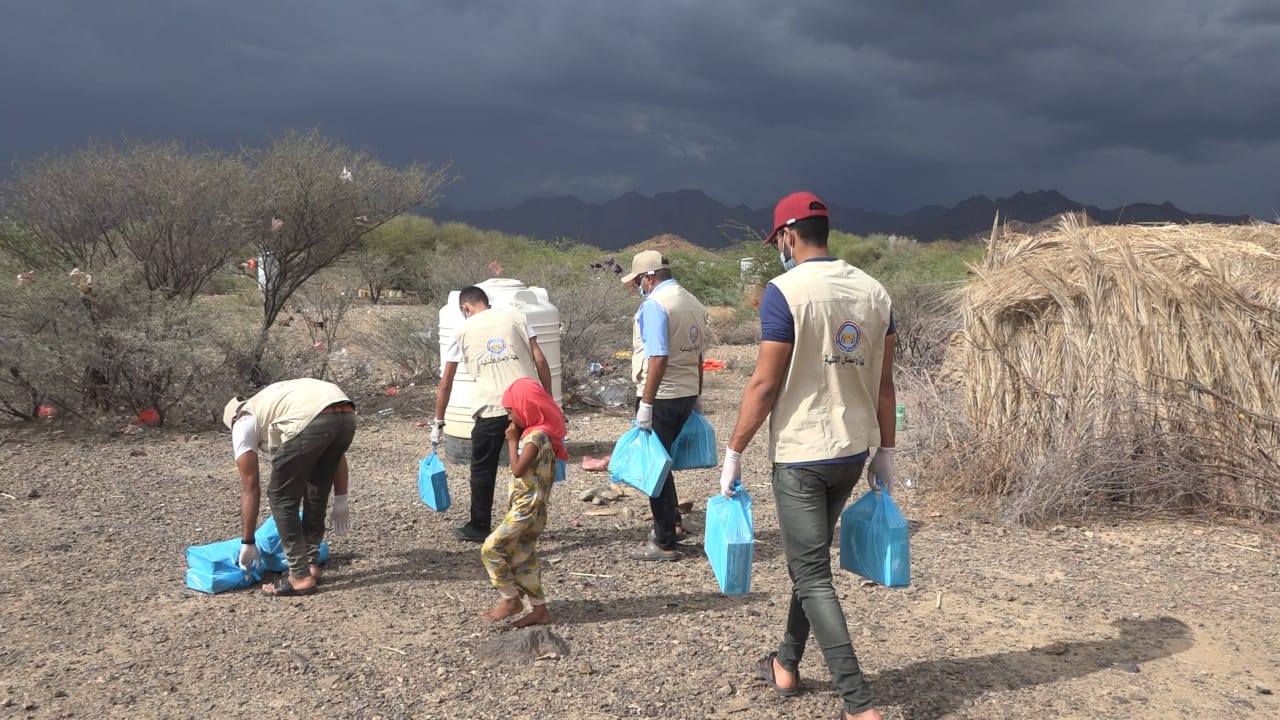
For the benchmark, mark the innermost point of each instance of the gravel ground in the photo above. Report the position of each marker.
(1114, 618)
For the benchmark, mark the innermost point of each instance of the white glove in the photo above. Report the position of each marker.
(435, 432)
(880, 474)
(697, 405)
(340, 518)
(248, 556)
(730, 472)
(644, 416)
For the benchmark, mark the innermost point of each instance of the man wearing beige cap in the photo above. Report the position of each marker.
(666, 365)
(307, 425)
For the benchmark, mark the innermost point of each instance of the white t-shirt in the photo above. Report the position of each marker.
(453, 353)
(244, 434)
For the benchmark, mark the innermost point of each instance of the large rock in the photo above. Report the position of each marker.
(524, 645)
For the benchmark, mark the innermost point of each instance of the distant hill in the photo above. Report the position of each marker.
(691, 214)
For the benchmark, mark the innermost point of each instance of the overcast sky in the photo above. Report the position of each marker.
(880, 104)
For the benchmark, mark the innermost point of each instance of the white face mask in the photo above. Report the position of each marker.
(787, 262)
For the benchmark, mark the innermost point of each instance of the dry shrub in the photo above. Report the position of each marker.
(596, 315)
(323, 305)
(118, 350)
(409, 344)
(1128, 363)
(925, 316)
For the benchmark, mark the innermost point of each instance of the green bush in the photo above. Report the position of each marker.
(713, 280)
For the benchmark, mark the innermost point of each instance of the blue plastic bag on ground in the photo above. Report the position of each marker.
(212, 568)
(640, 461)
(433, 487)
(729, 540)
(562, 470)
(874, 541)
(695, 446)
(271, 548)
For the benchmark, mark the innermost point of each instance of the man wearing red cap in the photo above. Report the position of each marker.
(824, 378)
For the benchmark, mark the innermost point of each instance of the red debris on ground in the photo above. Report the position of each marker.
(591, 464)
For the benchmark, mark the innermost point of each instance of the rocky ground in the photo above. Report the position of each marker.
(1112, 618)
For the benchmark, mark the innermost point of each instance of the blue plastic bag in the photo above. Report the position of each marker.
(640, 461)
(562, 470)
(874, 541)
(729, 540)
(433, 487)
(212, 568)
(695, 446)
(271, 548)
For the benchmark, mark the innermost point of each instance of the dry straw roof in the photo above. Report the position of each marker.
(1156, 346)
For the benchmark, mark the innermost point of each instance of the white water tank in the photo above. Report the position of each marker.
(504, 294)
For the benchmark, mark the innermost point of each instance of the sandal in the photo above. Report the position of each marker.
(764, 670)
(650, 551)
(283, 588)
(682, 536)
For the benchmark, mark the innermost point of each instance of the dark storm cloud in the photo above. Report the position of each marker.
(885, 105)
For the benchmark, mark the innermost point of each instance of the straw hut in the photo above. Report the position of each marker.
(1132, 363)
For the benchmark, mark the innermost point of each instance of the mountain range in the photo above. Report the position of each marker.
(694, 216)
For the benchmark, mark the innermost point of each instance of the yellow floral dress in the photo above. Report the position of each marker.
(510, 553)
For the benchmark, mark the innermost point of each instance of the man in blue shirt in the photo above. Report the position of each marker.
(666, 365)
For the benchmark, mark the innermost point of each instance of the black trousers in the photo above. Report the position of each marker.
(488, 436)
(302, 471)
(669, 417)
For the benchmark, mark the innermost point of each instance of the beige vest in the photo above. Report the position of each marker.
(686, 330)
(283, 409)
(826, 407)
(496, 350)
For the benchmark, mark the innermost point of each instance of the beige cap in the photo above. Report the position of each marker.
(643, 263)
(233, 407)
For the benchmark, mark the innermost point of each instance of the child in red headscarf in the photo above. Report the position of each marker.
(510, 553)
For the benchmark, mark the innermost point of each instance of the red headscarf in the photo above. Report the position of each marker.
(534, 409)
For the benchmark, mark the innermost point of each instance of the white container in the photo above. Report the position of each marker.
(504, 294)
(268, 267)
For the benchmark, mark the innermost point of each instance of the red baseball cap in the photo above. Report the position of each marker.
(796, 207)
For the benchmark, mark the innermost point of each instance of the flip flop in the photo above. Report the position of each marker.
(764, 670)
(283, 588)
(682, 536)
(650, 551)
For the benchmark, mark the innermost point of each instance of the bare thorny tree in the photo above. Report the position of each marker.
(167, 219)
(311, 201)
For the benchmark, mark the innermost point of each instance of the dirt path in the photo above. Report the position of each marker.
(1111, 619)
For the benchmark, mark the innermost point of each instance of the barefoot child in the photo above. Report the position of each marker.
(510, 553)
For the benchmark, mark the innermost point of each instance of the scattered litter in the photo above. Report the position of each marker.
(714, 365)
(591, 464)
(622, 355)
(150, 416)
(608, 391)
(391, 390)
(46, 411)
